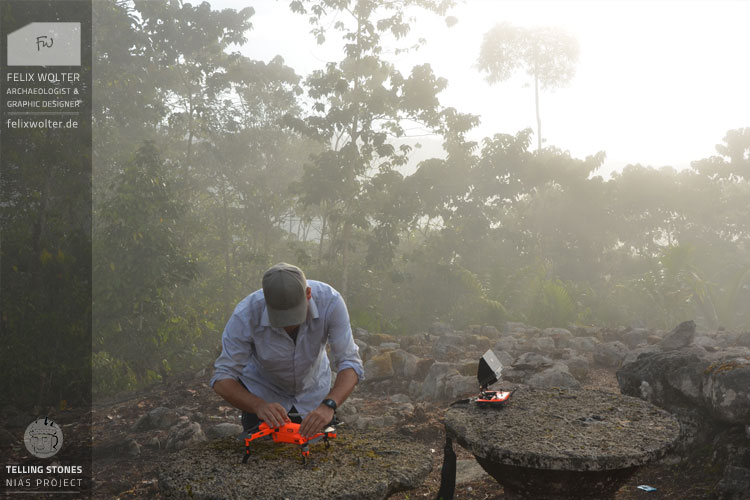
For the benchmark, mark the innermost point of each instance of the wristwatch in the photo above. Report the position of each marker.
(330, 403)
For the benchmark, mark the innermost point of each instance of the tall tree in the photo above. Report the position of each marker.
(547, 54)
(360, 104)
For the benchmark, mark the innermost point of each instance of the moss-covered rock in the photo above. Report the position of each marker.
(379, 367)
(357, 465)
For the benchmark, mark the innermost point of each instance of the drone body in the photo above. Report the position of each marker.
(288, 433)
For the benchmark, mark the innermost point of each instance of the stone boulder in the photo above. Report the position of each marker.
(611, 334)
(726, 389)
(404, 364)
(610, 354)
(708, 342)
(507, 344)
(479, 342)
(445, 381)
(743, 339)
(511, 326)
(578, 366)
(556, 376)
(734, 485)
(532, 361)
(448, 345)
(538, 370)
(116, 447)
(546, 344)
(671, 380)
(504, 357)
(681, 381)
(583, 344)
(185, 434)
(681, 336)
(529, 345)
(362, 346)
(636, 353)
(361, 333)
(460, 386)
(222, 430)
(158, 418)
(635, 337)
(560, 336)
(379, 367)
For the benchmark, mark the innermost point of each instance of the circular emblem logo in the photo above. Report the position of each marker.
(43, 438)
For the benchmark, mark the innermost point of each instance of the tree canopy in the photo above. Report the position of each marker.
(547, 54)
(210, 171)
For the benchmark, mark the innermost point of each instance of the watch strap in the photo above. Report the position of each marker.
(330, 403)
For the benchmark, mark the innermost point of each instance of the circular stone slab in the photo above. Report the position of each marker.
(358, 465)
(563, 443)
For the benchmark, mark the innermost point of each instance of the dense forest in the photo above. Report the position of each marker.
(209, 167)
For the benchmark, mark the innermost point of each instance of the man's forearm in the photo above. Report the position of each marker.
(346, 379)
(236, 395)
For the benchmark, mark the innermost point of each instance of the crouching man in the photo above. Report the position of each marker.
(273, 360)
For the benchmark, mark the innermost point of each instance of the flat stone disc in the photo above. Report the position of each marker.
(565, 429)
(357, 465)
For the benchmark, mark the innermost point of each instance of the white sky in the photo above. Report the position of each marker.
(657, 83)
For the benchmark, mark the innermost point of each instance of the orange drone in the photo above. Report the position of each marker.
(289, 433)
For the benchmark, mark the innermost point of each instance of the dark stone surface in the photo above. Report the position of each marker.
(358, 465)
(563, 443)
(726, 388)
(735, 485)
(681, 336)
(691, 380)
(610, 354)
(527, 483)
(671, 380)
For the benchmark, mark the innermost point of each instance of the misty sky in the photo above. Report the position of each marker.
(658, 82)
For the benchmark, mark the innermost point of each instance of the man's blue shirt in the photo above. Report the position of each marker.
(275, 368)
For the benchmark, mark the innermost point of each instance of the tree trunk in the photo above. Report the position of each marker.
(227, 245)
(140, 317)
(344, 258)
(322, 235)
(538, 117)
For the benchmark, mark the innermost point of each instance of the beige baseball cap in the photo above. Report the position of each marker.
(285, 291)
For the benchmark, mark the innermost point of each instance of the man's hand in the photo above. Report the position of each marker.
(272, 413)
(316, 420)
(235, 394)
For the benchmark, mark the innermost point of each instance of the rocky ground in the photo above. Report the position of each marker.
(124, 469)
(411, 381)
